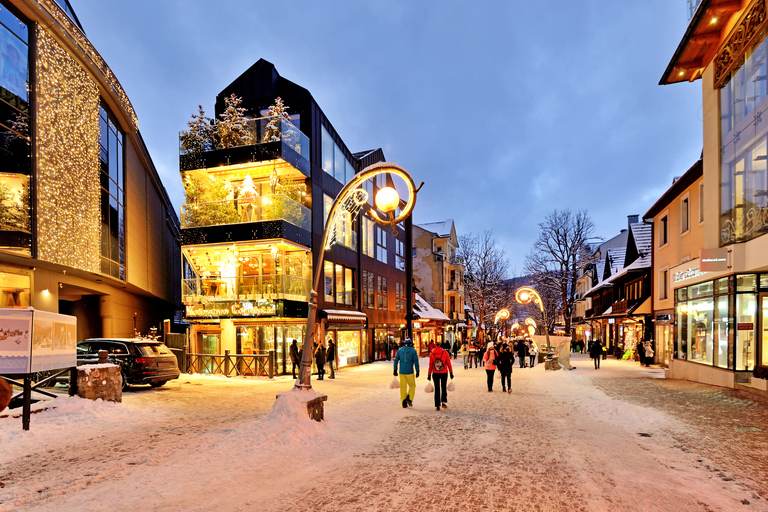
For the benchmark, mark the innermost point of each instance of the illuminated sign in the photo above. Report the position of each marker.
(234, 309)
(713, 260)
(686, 274)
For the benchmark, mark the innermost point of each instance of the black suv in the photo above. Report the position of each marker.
(141, 361)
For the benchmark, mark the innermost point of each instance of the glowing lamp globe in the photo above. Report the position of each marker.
(387, 199)
(524, 296)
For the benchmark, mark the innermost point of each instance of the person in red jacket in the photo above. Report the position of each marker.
(490, 364)
(440, 367)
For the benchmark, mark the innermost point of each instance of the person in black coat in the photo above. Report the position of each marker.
(320, 361)
(504, 361)
(295, 358)
(330, 356)
(522, 351)
(595, 352)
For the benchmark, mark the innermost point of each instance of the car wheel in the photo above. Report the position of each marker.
(126, 386)
(157, 384)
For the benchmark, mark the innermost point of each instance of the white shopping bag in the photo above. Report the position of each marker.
(430, 388)
(395, 384)
(451, 386)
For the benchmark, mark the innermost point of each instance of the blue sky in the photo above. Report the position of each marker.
(505, 109)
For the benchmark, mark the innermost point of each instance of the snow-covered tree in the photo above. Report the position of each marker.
(276, 114)
(198, 138)
(232, 126)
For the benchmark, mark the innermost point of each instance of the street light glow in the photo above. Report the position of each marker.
(387, 199)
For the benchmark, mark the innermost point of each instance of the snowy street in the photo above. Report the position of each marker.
(618, 438)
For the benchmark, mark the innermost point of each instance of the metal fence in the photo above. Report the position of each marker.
(231, 365)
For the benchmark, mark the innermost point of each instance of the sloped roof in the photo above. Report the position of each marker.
(442, 228)
(422, 309)
(616, 257)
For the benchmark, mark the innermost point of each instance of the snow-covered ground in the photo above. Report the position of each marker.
(558, 442)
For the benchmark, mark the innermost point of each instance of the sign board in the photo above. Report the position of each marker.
(746, 326)
(34, 341)
(663, 317)
(713, 260)
(686, 274)
(254, 308)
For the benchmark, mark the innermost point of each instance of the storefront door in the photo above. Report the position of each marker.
(764, 329)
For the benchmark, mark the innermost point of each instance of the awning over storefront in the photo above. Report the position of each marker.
(423, 310)
(342, 315)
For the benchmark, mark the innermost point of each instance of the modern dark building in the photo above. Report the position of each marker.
(252, 228)
(86, 226)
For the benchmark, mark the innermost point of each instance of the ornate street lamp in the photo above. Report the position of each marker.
(526, 295)
(531, 323)
(346, 206)
(502, 314)
(514, 327)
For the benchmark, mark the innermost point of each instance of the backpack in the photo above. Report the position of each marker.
(439, 364)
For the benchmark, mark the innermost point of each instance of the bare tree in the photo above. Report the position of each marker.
(557, 257)
(485, 269)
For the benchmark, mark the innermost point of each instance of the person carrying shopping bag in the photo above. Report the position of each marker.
(440, 367)
(409, 362)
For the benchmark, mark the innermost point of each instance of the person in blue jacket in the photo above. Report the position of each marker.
(409, 362)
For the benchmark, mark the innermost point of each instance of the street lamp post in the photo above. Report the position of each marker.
(526, 295)
(348, 203)
(502, 314)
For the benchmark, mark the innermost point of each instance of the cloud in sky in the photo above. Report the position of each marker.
(506, 110)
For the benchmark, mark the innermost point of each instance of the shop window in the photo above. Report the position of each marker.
(14, 289)
(746, 307)
(746, 283)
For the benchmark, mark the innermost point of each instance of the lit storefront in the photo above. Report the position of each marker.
(348, 330)
(717, 322)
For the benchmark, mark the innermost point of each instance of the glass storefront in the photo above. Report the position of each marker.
(717, 322)
(261, 338)
(348, 344)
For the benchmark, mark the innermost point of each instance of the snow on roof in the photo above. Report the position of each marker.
(442, 228)
(616, 255)
(642, 234)
(638, 264)
(422, 309)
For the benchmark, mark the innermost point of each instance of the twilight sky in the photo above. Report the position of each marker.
(505, 109)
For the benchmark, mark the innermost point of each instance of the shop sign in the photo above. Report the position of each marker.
(745, 326)
(713, 260)
(663, 317)
(686, 274)
(611, 320)
(416, 325)
(235, 309)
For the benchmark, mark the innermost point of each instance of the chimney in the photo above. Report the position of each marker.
(632, 219)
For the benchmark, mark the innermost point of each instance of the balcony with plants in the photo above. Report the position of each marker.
(234, 140)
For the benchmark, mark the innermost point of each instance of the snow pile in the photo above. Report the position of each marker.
(289, 424)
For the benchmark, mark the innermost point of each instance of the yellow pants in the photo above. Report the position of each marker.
(407, 386)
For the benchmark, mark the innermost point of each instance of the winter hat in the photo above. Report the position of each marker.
(408, 341)
(490, 345)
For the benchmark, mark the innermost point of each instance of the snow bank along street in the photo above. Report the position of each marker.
(618, 438)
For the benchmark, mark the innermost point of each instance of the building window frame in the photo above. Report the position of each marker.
(685, 214)
(664, 229)
(701, 203)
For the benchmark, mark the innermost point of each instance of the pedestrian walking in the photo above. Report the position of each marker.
(489, 360)
(330, 355)
(532, 355)
(648, 350)
(472, 354)
(320, 361)
(481, 354)
(456, 348)
(408, 360)
(522, 349)
(505, 361)
(440, 367)
(464, 353)
(295, 358)
(595, 352)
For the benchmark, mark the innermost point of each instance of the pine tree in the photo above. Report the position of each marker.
(232, 126)
(208, 202)
(276, 114)
(200, 137)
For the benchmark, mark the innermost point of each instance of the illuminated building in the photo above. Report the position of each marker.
(252, 225)
(86, 227)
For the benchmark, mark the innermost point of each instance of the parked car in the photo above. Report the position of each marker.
(141, 361)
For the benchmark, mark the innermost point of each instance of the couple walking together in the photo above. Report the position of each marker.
(439, 368)
(503, 361)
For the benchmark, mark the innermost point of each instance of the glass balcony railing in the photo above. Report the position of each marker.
(256, 131)
(692, 6)
(252, 209)
(218, 289)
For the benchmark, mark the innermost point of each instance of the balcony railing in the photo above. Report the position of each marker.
(255, 209)
(692, 6)
(216, 289)
(619, 306)
(193, 143)
(453, 286)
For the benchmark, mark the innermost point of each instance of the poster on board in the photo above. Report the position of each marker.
(53, 341)
(15, 340)
(35, 341)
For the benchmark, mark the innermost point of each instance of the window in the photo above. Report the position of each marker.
(328, 273)
(339, 284)
(112, 196)
(399, 255)
(333, 160)
(368, 187)
(400, 297)
(327, 203)
(664, 284)
(369, 244)
(369, 290)
(381, 245)
(413, 252)
(663, 233)
(381, 293)
(327, 151)
(701, 203)
(685, 212)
